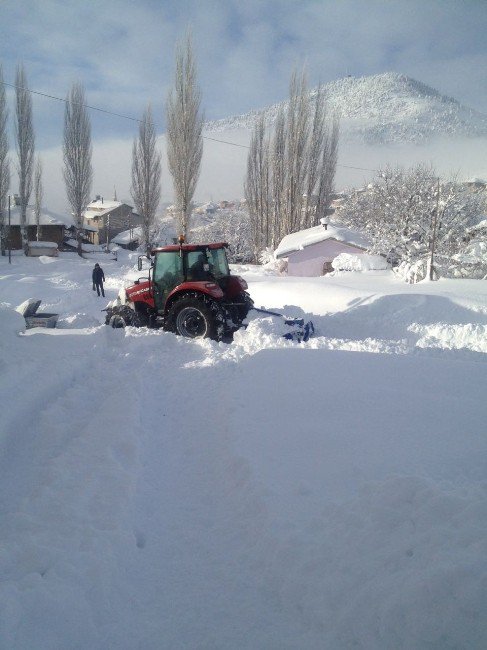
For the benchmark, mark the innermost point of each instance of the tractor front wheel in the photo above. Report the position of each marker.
(196, 317)
(123, 316)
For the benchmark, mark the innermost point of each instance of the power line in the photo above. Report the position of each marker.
(135, 119)
(66, 101)
(102, 110)
(234, 144)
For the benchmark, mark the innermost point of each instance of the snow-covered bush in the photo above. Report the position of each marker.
(412, 272)
(472, 262)
(266, 256)
(409, 214)
(277, 266)
(347, 262)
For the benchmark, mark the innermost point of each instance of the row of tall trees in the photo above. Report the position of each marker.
(29, 169)
(184, 126)
(184, 146)
(291, 169)
(76, 152)
(25, 145)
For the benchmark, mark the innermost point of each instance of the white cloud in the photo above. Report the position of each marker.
(123, 52)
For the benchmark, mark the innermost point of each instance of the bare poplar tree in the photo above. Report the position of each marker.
(317, 142)
(38, 195)
(184, 133)
(77, 150)
(278, 167)
(146, 175)
(4, 165)
(297, 163)
(300, 162)
(257, 189)
(326, 177)
(25, 140)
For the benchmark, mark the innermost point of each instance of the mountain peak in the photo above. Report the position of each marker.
(383, 108)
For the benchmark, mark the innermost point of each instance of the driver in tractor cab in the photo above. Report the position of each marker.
(199, 270)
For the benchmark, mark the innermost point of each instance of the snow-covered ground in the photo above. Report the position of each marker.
(159, 493)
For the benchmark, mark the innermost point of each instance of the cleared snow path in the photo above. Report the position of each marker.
(200, 523)
(134, 525)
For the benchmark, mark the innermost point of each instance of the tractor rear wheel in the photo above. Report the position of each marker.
(195, 316)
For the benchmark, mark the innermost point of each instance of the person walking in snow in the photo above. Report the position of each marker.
(98, 279)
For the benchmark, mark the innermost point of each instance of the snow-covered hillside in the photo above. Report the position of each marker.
(385, 108)
(159, 493)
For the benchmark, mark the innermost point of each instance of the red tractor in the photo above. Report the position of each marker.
(189, 291)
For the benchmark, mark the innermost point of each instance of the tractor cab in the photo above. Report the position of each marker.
(179, 267)
(174, 266)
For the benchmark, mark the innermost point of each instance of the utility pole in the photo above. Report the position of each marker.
(108, 233)
(9, 252)
(434, 227)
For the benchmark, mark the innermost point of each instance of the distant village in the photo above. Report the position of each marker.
(105, 222)
(109, 224)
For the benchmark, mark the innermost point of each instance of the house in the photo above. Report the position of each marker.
(129, 239)
(310, 252)
(106, 219)
(206, 208)
(53, 226)
(476, 184)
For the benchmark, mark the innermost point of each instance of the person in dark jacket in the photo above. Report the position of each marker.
(98, 279)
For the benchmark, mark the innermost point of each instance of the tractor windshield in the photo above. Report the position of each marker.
(168, 272)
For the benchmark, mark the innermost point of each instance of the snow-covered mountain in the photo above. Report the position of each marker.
(384, 108)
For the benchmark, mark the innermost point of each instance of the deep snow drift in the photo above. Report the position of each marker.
(158, 493)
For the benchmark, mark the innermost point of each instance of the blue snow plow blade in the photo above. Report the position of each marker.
(300, 331)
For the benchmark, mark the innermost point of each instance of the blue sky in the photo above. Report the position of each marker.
(123, 51)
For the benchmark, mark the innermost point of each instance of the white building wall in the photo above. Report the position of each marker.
(309, 261)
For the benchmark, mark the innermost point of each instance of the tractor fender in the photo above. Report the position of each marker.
(210, 289)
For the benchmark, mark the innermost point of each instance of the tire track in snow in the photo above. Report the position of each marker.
(61, 526)
(200, 524)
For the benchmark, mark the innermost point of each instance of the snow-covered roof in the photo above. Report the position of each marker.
(42, 244)
(101, 204)
(47, 217)
(127, 236)
(475, 180)
(99, 207)
(298, 240)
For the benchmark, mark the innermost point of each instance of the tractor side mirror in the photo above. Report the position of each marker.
(140, 264)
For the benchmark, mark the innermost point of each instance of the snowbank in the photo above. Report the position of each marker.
(157, 492)
(347, 262)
